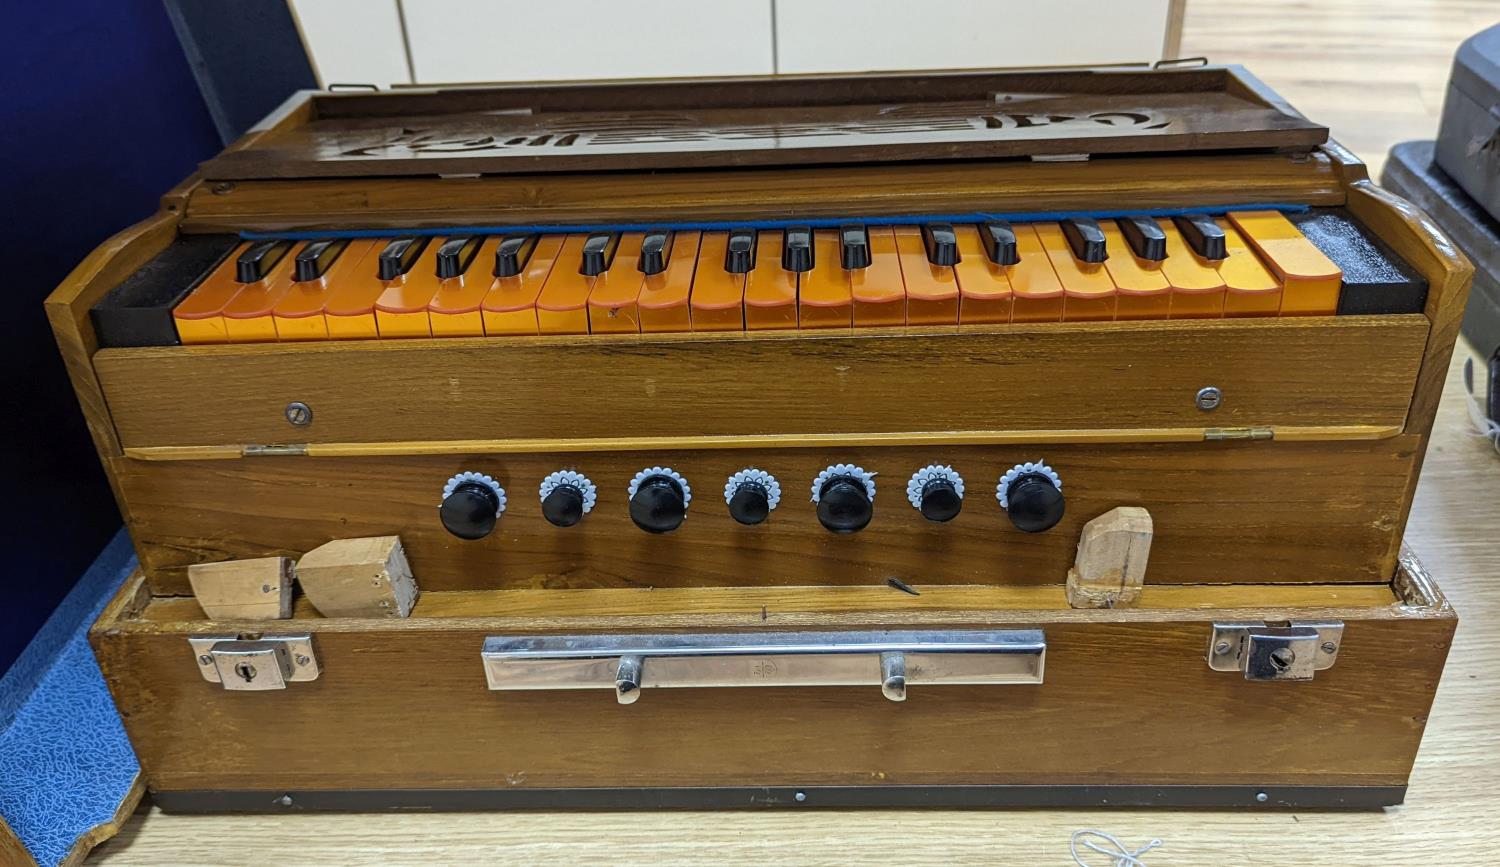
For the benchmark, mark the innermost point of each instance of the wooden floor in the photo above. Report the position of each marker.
(1374, 72)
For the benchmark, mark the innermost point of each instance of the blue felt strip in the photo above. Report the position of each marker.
(729, 225)
(65, 763)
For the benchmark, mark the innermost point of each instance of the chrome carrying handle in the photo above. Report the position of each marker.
(890, 659)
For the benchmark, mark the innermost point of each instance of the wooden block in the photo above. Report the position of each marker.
(1111, 563)
(258, 589)
(358, 578)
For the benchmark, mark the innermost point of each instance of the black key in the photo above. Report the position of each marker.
(854, 247)
(598, 252)
(255, 263)
(797, 249)
(1000, 242)
(1086, 239)
(740, 257)
(942, 244)
(1203, 235)
(399, 255)
(1145, 237)
(138, 312)
(454, 256)
(654, 249)
(315, 257)
(512, 254)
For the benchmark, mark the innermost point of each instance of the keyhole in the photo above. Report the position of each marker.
(245, 670)
(1282, 658)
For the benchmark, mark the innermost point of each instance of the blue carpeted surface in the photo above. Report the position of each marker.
(65, 764)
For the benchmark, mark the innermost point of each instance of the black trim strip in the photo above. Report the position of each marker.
(738, 797)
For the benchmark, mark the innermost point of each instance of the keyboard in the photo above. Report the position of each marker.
(1250, 263)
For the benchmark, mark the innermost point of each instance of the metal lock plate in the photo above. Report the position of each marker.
(270, 662)
(1262, 652)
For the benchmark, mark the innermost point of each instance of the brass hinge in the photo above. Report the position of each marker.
(1217, 434)
(274, 451)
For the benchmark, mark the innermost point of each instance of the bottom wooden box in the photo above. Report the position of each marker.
(1121, 707)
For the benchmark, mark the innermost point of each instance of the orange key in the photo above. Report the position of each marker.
(348, 311)
(1310, 281)
(199, 318)
(1197, 288)
(983, 287)
(664, 297)
(613, 298)
(1038, 291)
(299, 313)
(349, 308)
(1144, 292)
(1251, 288)
(931, 290)
(823, 296)
(454, 308)
(770, 290)
(401, 310)
(248, 316)
(879, 290)
(718, 296)
(510, 306)
(562, 306)
(1089, 290)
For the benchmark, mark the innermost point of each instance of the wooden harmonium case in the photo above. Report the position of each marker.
(1078, 403)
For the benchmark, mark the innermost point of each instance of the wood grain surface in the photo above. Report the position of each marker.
(1292, 511)
(839, 191)
(1053, 377)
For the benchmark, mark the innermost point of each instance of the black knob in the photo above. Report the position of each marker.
(1033, 502)
(750, 503)
(940, 500)
(844, 504)
(563, 506)
(470, 511)
(658, 504)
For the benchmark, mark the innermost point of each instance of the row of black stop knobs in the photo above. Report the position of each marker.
(473, 503)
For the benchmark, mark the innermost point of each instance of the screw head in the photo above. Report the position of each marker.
(1208, 398)
(299, 413)
(205, 659)
(1221, 648)
(303, 659)
(800, 796)
(222, 188)
(284, 800)
(1329, 647)
(1262, 797)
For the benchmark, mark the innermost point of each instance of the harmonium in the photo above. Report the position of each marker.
(1000, 438)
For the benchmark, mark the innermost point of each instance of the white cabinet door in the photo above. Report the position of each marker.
(840, 36)
(526, 40)
(353, 41)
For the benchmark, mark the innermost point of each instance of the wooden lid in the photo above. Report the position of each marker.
(766, 121)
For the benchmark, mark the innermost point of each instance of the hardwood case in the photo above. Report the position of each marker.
(1304, 525)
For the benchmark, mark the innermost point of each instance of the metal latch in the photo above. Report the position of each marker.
(892, 660)
(1262, 652)
(269, 662)
(1221, 434)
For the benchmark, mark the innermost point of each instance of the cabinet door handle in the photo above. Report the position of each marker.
(891, 660)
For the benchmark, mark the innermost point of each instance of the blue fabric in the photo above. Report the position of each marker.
(728, 225)
(65, 763)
